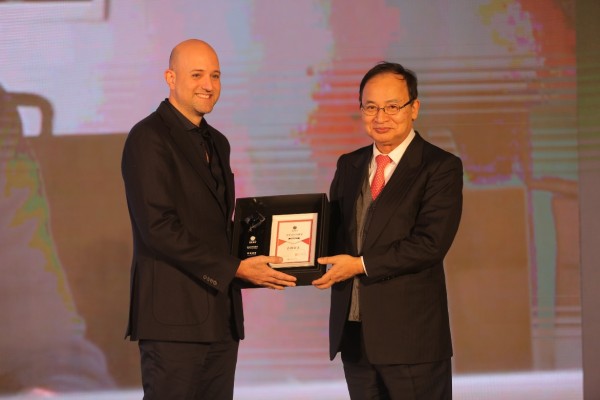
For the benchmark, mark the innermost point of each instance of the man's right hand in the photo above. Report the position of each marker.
(257, 271)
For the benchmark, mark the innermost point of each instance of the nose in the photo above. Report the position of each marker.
(381, 115)
(207, 83)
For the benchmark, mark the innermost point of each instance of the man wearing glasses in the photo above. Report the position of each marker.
(396, 207)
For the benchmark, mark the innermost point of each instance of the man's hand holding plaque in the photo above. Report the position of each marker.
(290, 231)
(256, 271)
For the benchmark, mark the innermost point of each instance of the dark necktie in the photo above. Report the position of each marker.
(208, 145)
(213, 162)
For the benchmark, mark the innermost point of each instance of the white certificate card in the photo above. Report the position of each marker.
(293, 238)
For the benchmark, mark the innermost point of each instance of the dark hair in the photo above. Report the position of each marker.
(388, 67)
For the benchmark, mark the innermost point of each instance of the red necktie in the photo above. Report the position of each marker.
(379, 180)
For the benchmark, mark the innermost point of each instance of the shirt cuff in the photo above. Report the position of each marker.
(362, 260)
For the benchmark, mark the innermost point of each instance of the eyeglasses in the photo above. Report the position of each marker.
(390, 109)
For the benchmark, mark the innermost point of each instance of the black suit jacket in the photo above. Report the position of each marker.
(182, 272)
(403, 302)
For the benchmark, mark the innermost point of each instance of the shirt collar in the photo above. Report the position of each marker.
(398, 152)
(186, 123)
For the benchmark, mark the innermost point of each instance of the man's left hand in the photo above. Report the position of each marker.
(343, 267)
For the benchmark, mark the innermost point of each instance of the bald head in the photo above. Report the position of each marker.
(194, 78)
(186, 47)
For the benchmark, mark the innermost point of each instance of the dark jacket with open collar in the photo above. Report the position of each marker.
(182, 270)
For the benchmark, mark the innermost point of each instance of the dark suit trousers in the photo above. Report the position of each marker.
(366, 381)
(194, 371)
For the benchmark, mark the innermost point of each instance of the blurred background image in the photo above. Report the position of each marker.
(498, 87)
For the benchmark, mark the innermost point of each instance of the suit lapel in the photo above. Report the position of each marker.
(355, 177)
(395, 189)
(186, 146)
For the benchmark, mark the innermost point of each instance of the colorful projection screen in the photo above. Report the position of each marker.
(497, 83)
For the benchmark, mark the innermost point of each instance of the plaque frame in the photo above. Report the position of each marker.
(257, 213)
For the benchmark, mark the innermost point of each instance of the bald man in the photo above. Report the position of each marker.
(186, 303)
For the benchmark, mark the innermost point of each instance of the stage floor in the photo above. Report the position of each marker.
(553, 385)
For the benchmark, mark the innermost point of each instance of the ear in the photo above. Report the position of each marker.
(415, 109)
(170, 78)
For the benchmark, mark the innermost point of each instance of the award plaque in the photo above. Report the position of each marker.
(293, 227)
(293, 238)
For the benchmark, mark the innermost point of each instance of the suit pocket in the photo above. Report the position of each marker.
(177, 300)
